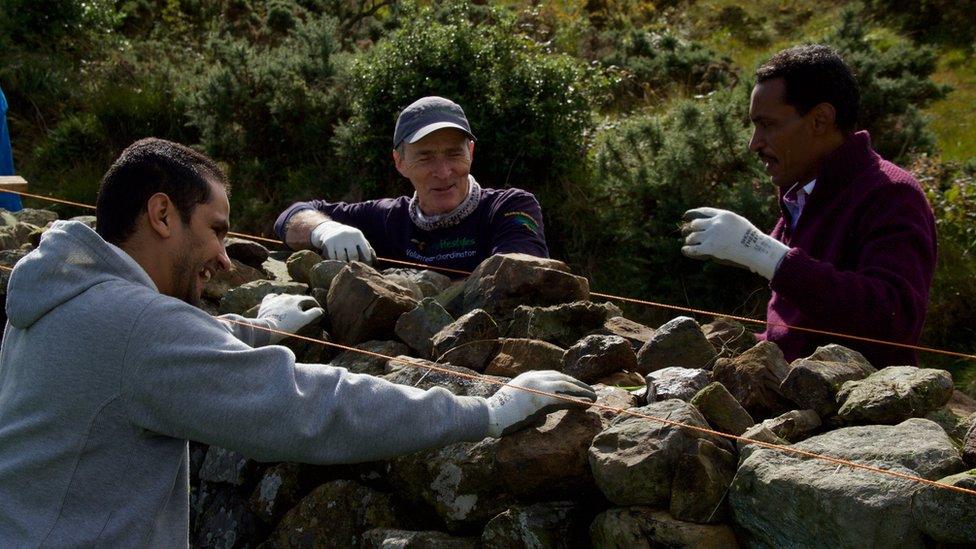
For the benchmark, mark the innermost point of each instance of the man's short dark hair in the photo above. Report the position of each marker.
(147, 167)
(815, 74)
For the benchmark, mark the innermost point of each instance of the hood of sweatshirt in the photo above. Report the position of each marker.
(70, 259)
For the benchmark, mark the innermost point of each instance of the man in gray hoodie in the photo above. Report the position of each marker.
(107, 370)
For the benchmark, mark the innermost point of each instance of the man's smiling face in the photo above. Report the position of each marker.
(438, 167)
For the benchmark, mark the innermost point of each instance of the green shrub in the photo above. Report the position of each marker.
(951, 21)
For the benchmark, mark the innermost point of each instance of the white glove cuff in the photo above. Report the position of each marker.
(322, 231)
(771, 254)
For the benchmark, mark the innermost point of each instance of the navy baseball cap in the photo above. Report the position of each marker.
(426, 115)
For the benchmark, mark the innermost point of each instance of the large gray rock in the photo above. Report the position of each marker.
(364, 305)
(420, 373)
(597, 356)
(417, 327)
(894, 394)
(517, 356)
(813, 382)
(504, 281)
(324, 272)
(701, 480)
(679, 342)
(300, 264)
(784, 500)
(226, 521)
(242, 298)
(722, 410)
(754, 379)
(281, 487)
(362, 363)
(634, 459)
(675, 382)
(247, 252)
(38, 218)
(646, 528)
(795, 425)
(729, 337)
(230, 467)
(945, 515)
(13, 237)
(561, 325)
(637, 334)
(759, 433)
(429, 282)
(223, 281)
(392, 538)
(476, 325)
(474, 355)
(540, 526)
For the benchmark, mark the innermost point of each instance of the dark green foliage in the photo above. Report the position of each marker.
(951, 21)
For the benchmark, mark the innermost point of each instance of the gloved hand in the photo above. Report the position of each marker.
(284, 313)
(511, 408)
(728, 237)
(342, 242)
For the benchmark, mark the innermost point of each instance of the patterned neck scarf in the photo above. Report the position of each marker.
(451, 218)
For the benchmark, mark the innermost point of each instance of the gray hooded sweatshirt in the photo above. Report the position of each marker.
(103, 380)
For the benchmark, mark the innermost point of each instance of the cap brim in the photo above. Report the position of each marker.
(427, 130)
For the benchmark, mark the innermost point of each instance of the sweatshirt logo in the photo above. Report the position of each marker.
(454, 244)
(524, 220)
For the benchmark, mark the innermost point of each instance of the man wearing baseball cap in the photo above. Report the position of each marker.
(450, 221)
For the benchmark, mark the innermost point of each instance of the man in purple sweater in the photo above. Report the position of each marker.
(450, 221)
(855, 248)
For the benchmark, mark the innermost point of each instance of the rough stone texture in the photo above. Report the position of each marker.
(961, 404)
(722, 410)
(679, 342)
(969, 444)
(12, 237)
(754, 379)
(517, 356)
(86, 219)
(784, 500)
(597, 356)
(795, 425)
(223, 281)
(759, 432)
(729, 337)
(675, 382)
(623, 379)
(701, 479)
(504, 281)
(275, 266)
(561, 325)
(247, 252)
(417, 327)
(947, 516)
(550, 461)
(300, 264)
(476, 325)
(324, 272)
(360, 363)
(228, 466)
(614, 397)
(634, 459)
(557, 525)
(226, 521)
(813, 382)
(281, 487)
(459, 482)
(954, 425)
(637, 334)
(336, 514)
(238, 300)
(894, 394)
(646, 528)
(392, 538)
(429, 283)
(418, 373)
(38, 218)
(363, 305)
(475, 355)
(7, 219)
(8, 258)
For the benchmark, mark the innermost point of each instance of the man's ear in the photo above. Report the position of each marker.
(161, 214)
(824, 118)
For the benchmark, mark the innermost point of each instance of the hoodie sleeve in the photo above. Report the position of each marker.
(247, 330)
(185, 376)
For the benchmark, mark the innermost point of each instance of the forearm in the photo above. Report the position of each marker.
(298, 229)
(250, 331)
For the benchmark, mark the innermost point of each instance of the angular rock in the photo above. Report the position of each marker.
(277, 269)
(7, 219)
(223, 281)
(795, 425)
(729, 337)
(813, 382)
(247, 252)
(361, 363)
(429, 283)
(476, 325)
(39, 218)
(336, 514)
(310, 352)
(759, 432)
(87, 220)
(646, 528)
(679, 342)
(323, 273)
(969, 444)
(550, 461)
(418, 373)
(637, 334)
(300, 264)
(226, 520)
(634, 459)
(474, 355)
(894, 394)
(754, 379)
(947, 516)
(12, 237)
(722, 410)
(281, 487)
(784, 500)
(701, 480)
(675, 382)
(597, 356)
(392, 538)
(363, 305)
(556, 525)
(230, 467)
(417, 327)
(242, 298)
(504, 281)
(953, 425)
(561, 325)
(623, 379)
(516, 356)
(613, 397)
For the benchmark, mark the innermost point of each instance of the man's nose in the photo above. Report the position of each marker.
(223, 260)
(756, 143)
(442, 167)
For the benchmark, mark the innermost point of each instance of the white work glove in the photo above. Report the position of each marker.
(729, 238)
(342, 242)
(284, 313)
(512, 408)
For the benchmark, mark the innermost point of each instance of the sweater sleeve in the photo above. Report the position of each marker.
(886, 295)
(369, 216)
(516, 225)
(185, 376)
